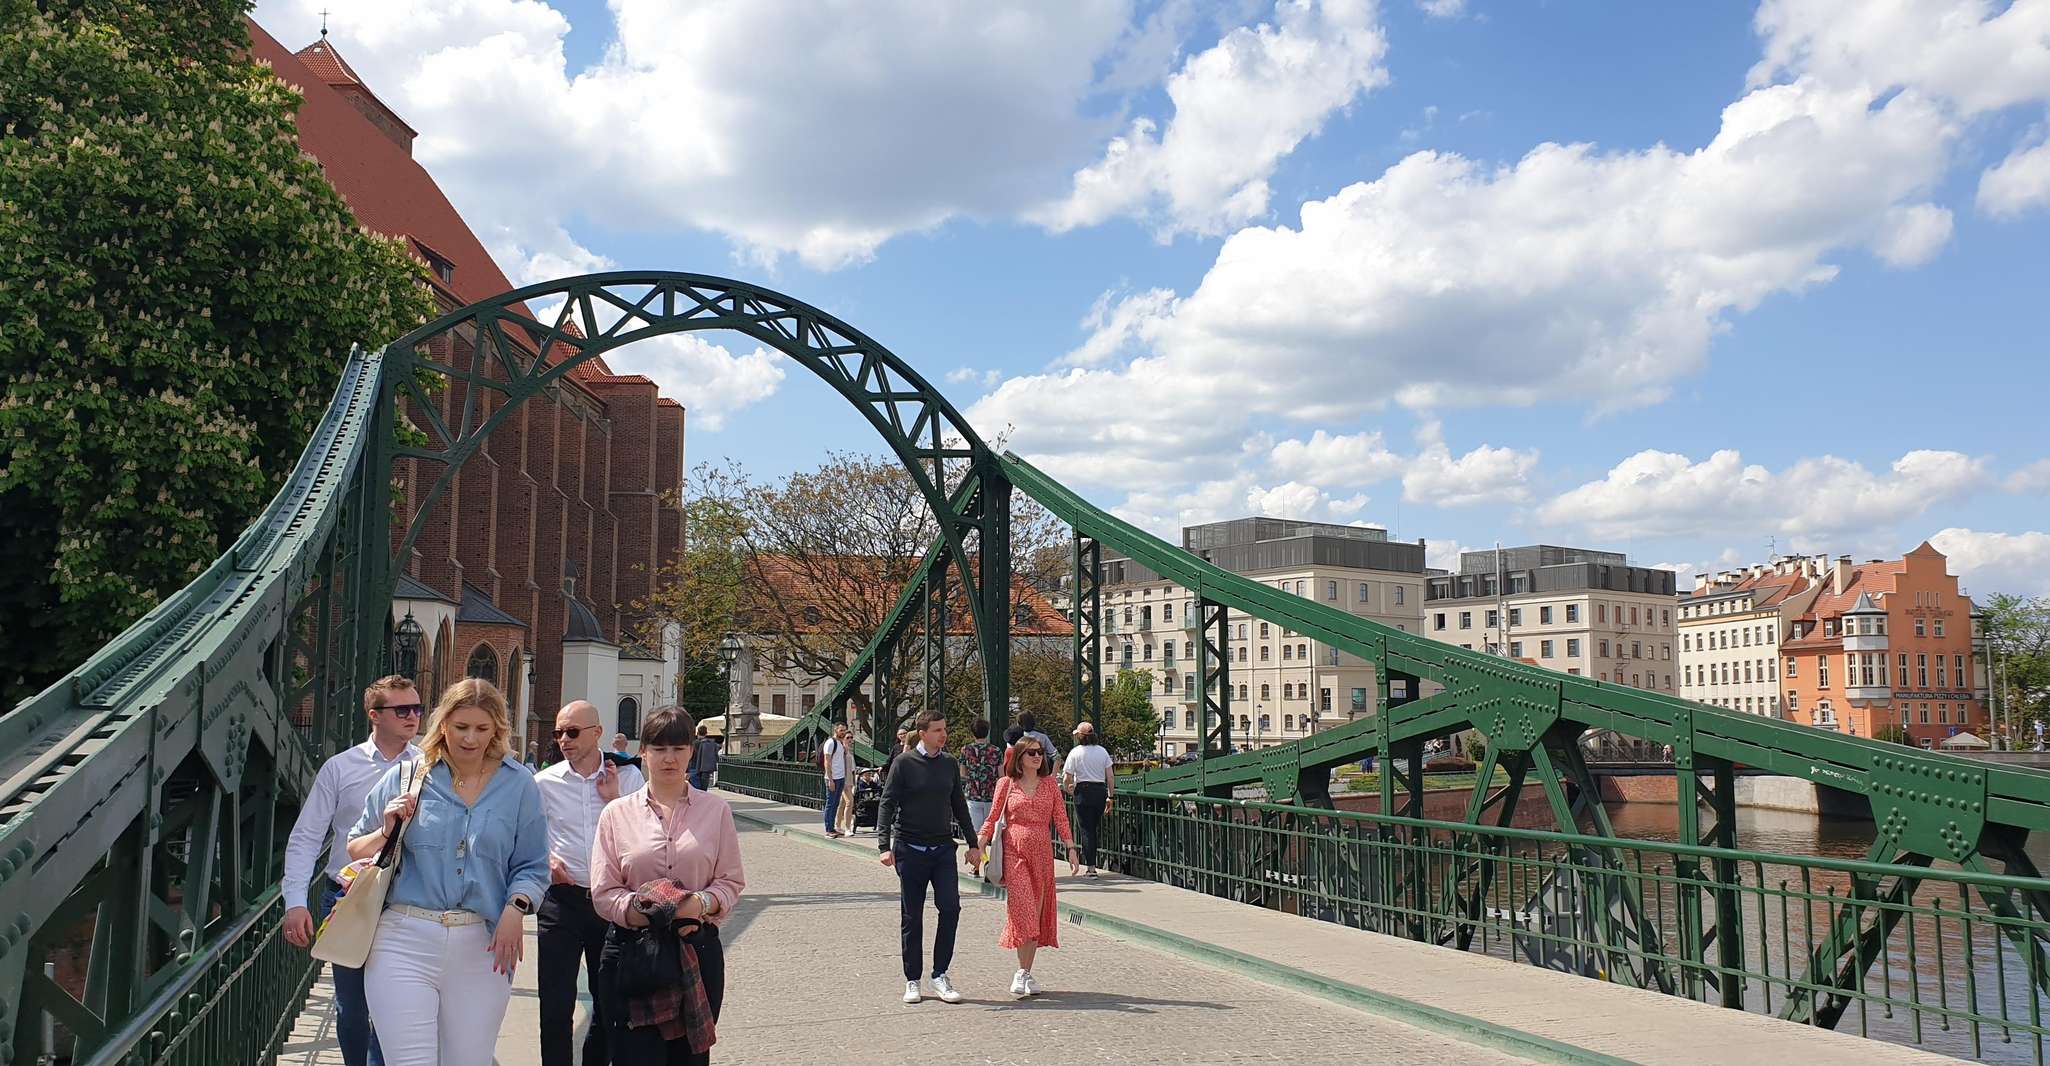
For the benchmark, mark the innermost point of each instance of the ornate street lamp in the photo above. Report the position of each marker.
(406, 647)
(729, 653)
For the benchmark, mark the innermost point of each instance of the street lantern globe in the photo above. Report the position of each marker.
(406, 647)
(729, 652)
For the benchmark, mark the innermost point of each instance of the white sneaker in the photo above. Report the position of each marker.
(1018, 987)
(1031, 986)
(911, 992)
(944, 989)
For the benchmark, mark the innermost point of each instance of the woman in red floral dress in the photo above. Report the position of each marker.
(1027, 801)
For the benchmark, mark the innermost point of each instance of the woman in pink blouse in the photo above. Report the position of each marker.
(1029, 805)
(665, 871)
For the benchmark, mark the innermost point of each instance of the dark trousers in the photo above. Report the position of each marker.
(352, 1011)
(645, 1047)
(571, 935)
(915, 870)
(1090, 797)
(701, 779)
(834, 790)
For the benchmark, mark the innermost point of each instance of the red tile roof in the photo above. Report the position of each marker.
(1874, 579)
(328, 65)
(388, 190)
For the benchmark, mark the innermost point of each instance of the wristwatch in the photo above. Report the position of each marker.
(707, 903)
(522, 904)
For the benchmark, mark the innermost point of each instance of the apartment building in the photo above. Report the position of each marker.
(1731, 626)
(1886, 643)
(1284, 685)
(1575, 610)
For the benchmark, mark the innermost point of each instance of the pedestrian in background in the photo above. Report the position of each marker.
(982, 762)
(1027, 802)
(704, 759)
(1090, 778)
(474, 864)
(393, 706)
(923, 801)
(1028, 726)
(665, 872)
(836, 761)
(568, 931)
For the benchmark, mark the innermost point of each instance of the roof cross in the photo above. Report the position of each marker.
(323, 22)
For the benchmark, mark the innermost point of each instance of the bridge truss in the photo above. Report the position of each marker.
(148, 793)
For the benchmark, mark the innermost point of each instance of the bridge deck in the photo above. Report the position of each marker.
(1146, 973)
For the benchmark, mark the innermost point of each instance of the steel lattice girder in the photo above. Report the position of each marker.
(147, 790)
(516, 356)
(1940, 804)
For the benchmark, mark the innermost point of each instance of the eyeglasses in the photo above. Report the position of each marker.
(1033, 752)
(572, 732)
(403, 710)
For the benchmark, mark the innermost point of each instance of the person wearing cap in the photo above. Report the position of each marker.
(1087, 775)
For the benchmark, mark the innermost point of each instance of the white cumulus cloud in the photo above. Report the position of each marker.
(1484, 475)
(1989, 562)
(1239, 108)
(1665, 494)
(2033, 478)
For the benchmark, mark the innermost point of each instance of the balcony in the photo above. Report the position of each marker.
(1864, 642)
(1861, 693)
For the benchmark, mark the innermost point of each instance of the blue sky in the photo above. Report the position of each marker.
(1678, 280)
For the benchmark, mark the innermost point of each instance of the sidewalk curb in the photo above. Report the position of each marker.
(1423, 1016)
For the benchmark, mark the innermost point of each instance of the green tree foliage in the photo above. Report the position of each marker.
(179, 285)
(1131, 727)
(1042, 681)
(2018, 628)
(697, 597)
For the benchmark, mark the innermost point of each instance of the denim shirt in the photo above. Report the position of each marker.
(467, 858)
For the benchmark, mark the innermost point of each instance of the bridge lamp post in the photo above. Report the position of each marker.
(729, 652)
(405, 649)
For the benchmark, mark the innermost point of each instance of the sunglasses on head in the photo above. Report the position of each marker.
(403, 710)
(572, 732)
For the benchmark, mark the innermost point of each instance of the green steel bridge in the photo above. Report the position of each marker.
(149, 792)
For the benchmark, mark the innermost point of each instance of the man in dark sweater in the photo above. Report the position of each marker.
(923, 800)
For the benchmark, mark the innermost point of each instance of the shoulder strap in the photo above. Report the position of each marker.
(416, 777)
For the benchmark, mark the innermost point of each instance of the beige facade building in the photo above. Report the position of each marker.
(1575, 610)
(1284, 685)
(1731, 627)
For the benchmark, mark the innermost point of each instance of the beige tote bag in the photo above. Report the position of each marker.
(344, 938)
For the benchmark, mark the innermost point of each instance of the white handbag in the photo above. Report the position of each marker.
(344, 938)
(993, 858)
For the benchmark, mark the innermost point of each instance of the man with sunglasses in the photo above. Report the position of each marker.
(569, 931)
(393, 706)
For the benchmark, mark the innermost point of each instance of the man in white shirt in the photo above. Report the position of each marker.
(1088, 776)
(321, 837)
(838, 762)
(573, 793)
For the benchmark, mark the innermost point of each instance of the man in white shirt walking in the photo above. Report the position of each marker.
(1089, 776)
(573, 793)
(321, 836)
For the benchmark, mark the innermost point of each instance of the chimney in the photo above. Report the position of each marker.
(1840, 578)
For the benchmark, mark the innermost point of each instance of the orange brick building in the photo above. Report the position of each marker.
(1885, 644)
(523, 570)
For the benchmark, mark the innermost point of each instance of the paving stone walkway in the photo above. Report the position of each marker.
(813, 977)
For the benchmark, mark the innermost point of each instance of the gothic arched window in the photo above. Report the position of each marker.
(483, 664)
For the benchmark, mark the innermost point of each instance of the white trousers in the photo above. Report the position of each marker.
(433, 998)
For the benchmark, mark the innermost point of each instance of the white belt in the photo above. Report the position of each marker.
(446, 919)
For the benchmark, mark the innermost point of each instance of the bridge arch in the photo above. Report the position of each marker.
(519, 355)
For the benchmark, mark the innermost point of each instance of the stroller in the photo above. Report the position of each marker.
(868, 798)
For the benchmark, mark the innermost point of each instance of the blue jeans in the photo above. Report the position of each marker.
(700, 780)
(834, 790)
(352, 1011)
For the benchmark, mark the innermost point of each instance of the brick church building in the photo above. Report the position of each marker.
(526, 566)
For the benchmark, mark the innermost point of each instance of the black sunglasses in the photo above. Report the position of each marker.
(1034, 752)
(404, 710)
(572, 732)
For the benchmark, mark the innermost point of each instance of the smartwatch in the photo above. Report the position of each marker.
(522, 904)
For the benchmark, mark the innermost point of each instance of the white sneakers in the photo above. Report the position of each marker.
(1024, 985)
(941, 987)
(1031, 986)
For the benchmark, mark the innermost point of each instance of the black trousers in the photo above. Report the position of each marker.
(645, 1047)
(1090, 797)
(915, 871)
(571, 935)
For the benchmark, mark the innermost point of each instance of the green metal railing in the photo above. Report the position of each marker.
(794, 783)
(1954, 958)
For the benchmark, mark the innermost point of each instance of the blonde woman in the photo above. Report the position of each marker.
(475, 862)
